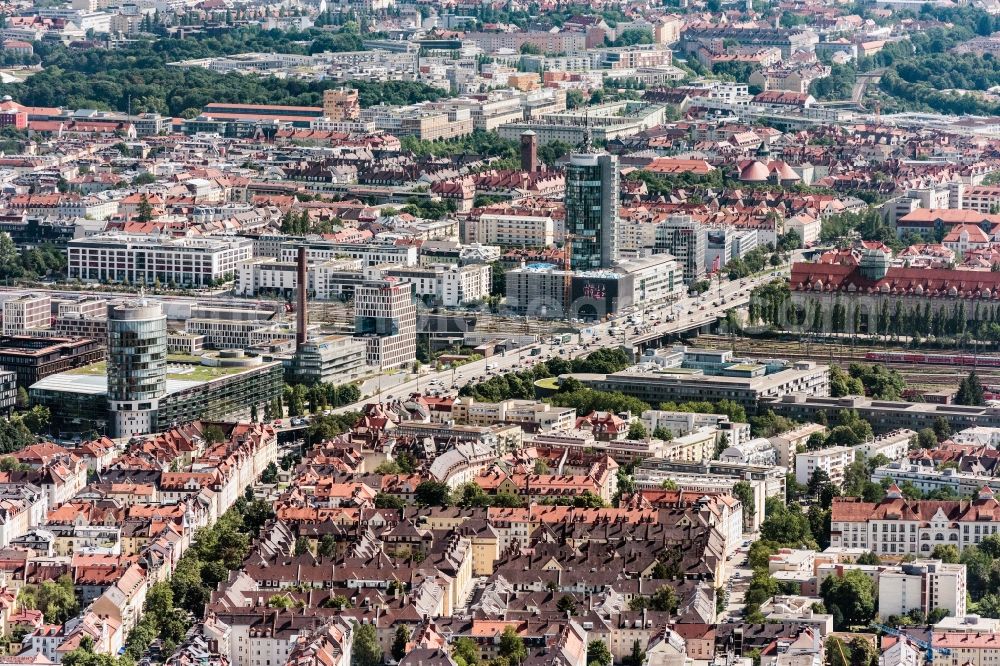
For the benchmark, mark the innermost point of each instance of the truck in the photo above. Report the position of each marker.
(535, 351)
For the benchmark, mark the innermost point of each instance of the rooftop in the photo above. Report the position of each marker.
(182, 373)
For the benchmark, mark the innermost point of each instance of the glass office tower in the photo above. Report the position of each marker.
(592, 210)
(137, 365)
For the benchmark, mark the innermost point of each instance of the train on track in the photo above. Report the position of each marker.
(960, 360)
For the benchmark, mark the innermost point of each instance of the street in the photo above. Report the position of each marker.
(695, 310)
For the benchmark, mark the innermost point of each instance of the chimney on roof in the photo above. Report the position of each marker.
(301, 316)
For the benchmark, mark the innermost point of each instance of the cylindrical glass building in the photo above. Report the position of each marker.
(137, 365)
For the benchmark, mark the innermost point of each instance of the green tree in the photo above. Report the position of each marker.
(850, 599)
(465, 652)
(512, 646)
(863, 652)
(636, 430)
(743, 491)
(387, 501)
(870, 558)
(213, 435)
(471, 494)
(399, 642)
(970, 391)
(327, 546)
(598, 653)
(946, 552)
(366, 651)
(566, 604)
(637, 657)
(145, 210)
(56, 599)
(663, 432)
(432, 493)
(838, 653)
(302, 546)
(664, 600)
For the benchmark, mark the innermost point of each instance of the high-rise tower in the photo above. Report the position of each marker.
(592, 209)
(137, 365)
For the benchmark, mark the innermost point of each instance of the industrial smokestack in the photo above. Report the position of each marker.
(301, 318)
(529, 151)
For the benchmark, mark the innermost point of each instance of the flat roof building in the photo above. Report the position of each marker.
(654, 387)
(35, 358)
(228, 388)
(114, 257)
(883, 415)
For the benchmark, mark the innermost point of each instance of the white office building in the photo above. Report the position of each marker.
(193, 262)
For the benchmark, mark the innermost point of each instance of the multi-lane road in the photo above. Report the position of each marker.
(673, 317)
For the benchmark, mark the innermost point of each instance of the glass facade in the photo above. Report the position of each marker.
(592, 210)
(137, 354)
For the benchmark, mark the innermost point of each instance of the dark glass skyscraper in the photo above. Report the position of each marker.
(592, 210)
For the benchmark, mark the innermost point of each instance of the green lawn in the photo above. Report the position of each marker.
(185, 368)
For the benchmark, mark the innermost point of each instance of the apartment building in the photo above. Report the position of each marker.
(531, 415)
(682, 423)
(341, 104)
(981, 198)
(511, 229)
(686, 239)
(370, 254)
(86, 318)
(194, 262)
(449, 285)
(893, 445)
(924, 585)
(423, 121)
(27, 313)
(788, 443)
(833, 461)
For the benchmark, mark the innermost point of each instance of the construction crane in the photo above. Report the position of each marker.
(928, 649)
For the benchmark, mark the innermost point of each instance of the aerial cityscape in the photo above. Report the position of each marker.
(499, 333)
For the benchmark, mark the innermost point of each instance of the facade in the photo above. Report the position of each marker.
(893, 445)
(833, 461)
(685, 239)
(442, 285)
(341, 104)
(883, 415)
(592, 210)
(8, 391)
(370, 254)
(27, 313)
(34, 358)
(788, 443)
(78, 399)
(511, 229)
(897, 526)
(804, 377)
(929, 479)
(385, 317)
(332, 358)
(115, 257)
(924, 585)
(137, 365)
(874, 297)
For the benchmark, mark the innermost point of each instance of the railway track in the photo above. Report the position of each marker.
(917, 375)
